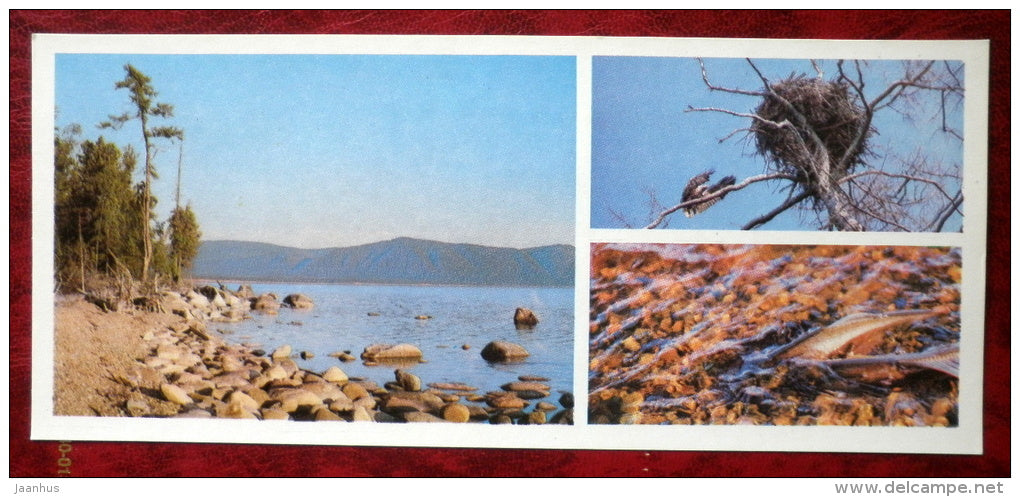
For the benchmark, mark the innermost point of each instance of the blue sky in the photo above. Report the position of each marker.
(643, 140)
(336, 150)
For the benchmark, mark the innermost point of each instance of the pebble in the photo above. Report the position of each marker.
(457, 413)
(136, 407)
(545, 406)
(342, 404)
(501, 419)
(327, 392)
(292, 398)
(281, 352)
(355, 391)
(234, 411)
(324, 414)
(422, 417)
(530, 377)
(457, 387)
(500, 351)
(335, 375)
(243, 400)
(378, 352)
(343, 356)
(520, 386)
(407, 381)
(536, 418)
(505, 401)
(175, 394)
(275, 373)
(194, 413)
(274, 413)
(361, 414)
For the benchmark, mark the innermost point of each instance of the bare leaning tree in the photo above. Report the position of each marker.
(815, 136)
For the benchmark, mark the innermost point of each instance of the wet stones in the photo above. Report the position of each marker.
(190, 371)
(501, 351)
(688, 332)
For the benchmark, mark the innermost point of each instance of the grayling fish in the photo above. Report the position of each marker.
(945, 359)
(824, 342)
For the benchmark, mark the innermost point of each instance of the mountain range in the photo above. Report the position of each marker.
(397, 261)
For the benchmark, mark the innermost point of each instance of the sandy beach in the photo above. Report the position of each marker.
(93, 349)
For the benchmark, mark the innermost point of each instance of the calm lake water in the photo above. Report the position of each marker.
(343, 320)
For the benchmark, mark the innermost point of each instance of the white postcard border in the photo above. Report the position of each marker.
(963, 439)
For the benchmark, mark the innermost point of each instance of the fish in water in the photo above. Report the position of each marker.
(887, 368)
(854, 333)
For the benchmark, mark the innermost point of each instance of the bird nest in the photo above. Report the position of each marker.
(825, 108)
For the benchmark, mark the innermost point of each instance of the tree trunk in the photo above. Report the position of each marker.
(147, 201)
(836, 202)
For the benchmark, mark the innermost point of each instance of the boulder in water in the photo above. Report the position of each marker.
(298, 301)
(500, 351)
(525, 318)
(382, 352)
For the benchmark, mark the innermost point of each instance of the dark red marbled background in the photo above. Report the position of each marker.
(99, 459)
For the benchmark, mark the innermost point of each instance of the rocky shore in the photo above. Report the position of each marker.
(157, 358)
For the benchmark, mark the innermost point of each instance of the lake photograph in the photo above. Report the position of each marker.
(314, 237)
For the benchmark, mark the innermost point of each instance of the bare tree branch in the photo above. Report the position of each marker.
(704, 77)
(953, 206)
(716, 194)
(764, 218)
(909, 177)
(862, 131)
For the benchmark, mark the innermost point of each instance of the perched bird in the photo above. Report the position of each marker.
(698, 187)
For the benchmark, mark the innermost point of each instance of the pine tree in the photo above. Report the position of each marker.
(184, 240)
(142, 94)
(69, 260)
(94, 199)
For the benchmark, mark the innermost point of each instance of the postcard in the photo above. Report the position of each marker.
(510, 242)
